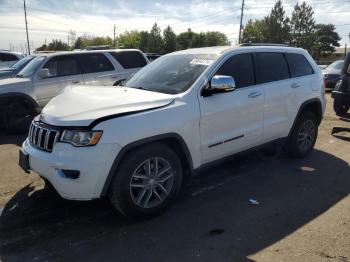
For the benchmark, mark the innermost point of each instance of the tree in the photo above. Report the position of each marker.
(143, 45)
(54, 45)
(79, 43)
(169, 40)
(155, 41)
(326, 39)
(185, 40)
(303, 26)
(129, 39)
(215, 39)
(278, 25)
(273, 28)
(254, 32)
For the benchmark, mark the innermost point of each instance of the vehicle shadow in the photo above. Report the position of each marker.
(212, 220)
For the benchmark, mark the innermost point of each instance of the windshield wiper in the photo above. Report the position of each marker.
(19, 76)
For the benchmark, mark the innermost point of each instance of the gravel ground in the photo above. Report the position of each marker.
(300, 212)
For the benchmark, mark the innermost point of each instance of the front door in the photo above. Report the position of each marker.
(232, 122)
(64, 71)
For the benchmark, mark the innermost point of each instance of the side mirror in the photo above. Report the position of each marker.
(44, 73)
(220, 84)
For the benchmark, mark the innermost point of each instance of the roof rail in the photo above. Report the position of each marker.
(263, 44)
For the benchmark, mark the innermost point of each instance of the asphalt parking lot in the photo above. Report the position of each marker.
(301, 212)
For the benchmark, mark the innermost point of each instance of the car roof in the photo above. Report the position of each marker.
(218, 50)
(10, 52)
(85, 52)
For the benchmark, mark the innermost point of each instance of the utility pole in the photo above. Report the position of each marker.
(68, 40)
(25, 18)
(114, 28)
(240, 24)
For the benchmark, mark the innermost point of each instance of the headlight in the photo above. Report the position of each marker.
(80, 137)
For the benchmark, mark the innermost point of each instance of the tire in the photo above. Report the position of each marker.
(15, 118)
(339, 108)
(139, 194)
(303, 137)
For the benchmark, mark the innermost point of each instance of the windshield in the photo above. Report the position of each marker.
(31, 68)
(171, 74)
(22, 62)
(337, 65)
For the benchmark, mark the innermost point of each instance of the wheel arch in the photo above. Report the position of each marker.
(28, 100)
(314, 105)
(173, 140)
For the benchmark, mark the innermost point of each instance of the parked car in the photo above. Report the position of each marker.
(341, 92)
(13, 70)
(48, 74)
(182, 112)
(8, 58)
(332, 73)
(322, 66)
(152, 56)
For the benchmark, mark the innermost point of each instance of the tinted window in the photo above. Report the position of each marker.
(270, 67)
(8, 57)
(62, 66)
(95, 62)
(241, 68)
(298, 65)
(129, 59)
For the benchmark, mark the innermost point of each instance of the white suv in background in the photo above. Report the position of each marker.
(9, 58)
(48, 74)
(180, 113)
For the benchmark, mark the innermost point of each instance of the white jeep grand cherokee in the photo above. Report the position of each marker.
(181, 112)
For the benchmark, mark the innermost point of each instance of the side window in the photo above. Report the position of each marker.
(94, 63)
(129, 59)
(8, 57)
(270, 67)
(299, 66)
(241, 68)
(62, 66)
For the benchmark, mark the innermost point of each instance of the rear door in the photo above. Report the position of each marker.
(272, 74)
(130, 62)
(97, 68)
(232, 122)
(64, 70)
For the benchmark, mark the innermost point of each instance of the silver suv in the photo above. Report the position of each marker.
(48, 74)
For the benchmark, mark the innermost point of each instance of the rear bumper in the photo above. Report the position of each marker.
(92, 163)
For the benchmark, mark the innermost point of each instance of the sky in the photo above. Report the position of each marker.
(54, 19)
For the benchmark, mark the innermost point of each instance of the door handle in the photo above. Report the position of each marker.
(254, 94)
(295, 85)
(75, 82)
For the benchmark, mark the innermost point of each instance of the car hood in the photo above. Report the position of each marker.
(13, 82)
(84, 105)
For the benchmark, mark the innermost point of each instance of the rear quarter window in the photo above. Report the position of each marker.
(94, 63)
(298, 65)
(8, 57)
(130, 59)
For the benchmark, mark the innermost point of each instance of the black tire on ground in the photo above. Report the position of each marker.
(295, 145)
(16, 116)
(138, 172)
(339, 108)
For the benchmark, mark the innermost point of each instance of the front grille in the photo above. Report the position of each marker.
(42, 137)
